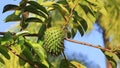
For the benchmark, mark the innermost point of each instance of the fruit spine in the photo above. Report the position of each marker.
(54, 41)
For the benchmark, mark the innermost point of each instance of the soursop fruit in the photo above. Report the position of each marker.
(54, 41)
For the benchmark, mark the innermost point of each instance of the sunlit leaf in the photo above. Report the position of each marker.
(61, 8)
(77, 64)
(10, 7)
(22, 33)
(4, 52)
(38, 6)
(48, 3)
(39, 50)
(33, 19)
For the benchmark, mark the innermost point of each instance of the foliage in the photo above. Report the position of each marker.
(36, 17)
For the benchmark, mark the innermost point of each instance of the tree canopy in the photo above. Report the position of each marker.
(38, 41)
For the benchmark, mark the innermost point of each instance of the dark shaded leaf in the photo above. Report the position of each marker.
(81, 21)
(41, 32)
(62, 2)
(73, 31)
(112, 58)
(34, 10)
(33, 19)
(78, 26)
(80, 30)
(10, 7)
(38, 6)
(21, 62)
(86, 9)
(23, 3)
(68, 34)
(118, 53)
(48, 22)
(64, 64)
(24, 25)
(4, 52)
(2, 61)
(12, 17)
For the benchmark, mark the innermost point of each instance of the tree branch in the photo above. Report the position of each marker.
(88, 44)
(70, 40)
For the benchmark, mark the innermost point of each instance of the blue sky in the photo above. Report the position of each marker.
(92, 57)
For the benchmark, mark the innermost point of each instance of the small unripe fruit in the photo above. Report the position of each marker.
(54, 41)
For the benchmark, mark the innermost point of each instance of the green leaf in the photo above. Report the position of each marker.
(48, 3)
(4, 52)
(33, 19)
(12, 17)
(81, 21)
(22, 33)
(62, 2)
(61, 8)
(34, 10)
(39, 50)
(78, 26)
(24, 25)
(27, 53)
(80, 30)
(118, 53)
(6, 38)
(68, 34)
(10, 7)
(41, 32)
(76, 64)
(73, 31)
(112, 58)
(38, 6)
(64, 64)
(86, 9)
(2, 61)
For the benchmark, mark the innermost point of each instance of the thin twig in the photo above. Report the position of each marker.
(88, 44)
(67, 19)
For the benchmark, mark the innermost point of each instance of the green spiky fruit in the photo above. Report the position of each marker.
(54, 41)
